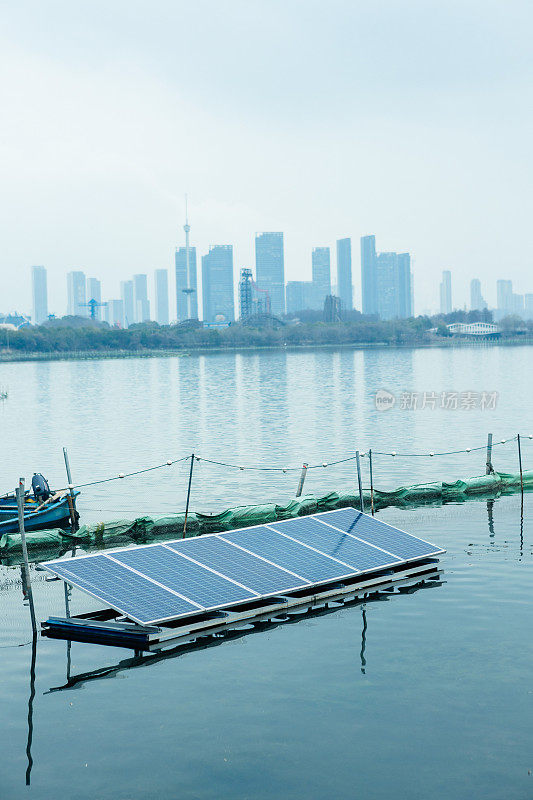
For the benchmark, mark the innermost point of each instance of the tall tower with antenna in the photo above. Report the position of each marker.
(188, 289)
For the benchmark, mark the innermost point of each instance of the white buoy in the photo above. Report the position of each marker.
(120, 474)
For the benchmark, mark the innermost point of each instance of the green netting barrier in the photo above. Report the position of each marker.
(146, 529)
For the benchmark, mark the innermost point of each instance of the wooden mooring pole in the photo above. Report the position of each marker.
(371, 482)
(302, 479)
(188, 497)
(361, 501)
(71, 497)
(489, 469)
(20, 508)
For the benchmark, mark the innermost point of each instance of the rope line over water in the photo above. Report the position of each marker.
(323, 465)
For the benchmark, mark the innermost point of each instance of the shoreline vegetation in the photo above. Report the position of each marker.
(82, 338)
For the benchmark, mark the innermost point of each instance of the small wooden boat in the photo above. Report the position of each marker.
(52, 513)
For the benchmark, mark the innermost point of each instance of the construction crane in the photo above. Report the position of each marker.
(93, 305)
(249, 306)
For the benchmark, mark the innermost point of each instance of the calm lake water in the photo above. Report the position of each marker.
(428, 693)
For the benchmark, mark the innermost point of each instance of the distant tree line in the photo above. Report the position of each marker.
(76, 334)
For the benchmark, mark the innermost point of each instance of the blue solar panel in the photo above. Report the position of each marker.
(178, 573)
(219, 570)
(395, 541)
(123, 589)
(337, 544)
(238, 565)
(276, 547)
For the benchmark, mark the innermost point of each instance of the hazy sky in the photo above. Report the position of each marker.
(411, 120)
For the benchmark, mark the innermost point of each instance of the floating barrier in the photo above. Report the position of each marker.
(145, 529)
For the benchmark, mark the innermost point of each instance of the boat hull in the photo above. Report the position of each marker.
(54, 515)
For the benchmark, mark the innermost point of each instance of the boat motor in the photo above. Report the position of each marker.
(41, 490)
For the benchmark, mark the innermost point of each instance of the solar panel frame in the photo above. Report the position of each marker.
(274, 526)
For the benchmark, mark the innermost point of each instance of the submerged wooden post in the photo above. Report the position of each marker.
(188, 498)
(302, 479)
(71, 497)
(371, 482)
(20, 508)
(520, 464)
(361, 501)
(489, 469)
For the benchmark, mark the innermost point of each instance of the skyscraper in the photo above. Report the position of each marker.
(161, 296)
(446, 293)
(386, 281)
(94, 292)
(126, 294)
(344, 273)
(39, 295)
(217, 284)
(114, 312)
(405, 286)
(180, 260)
(301, 295)
(504, 297)
(141, 304)
(368, 275)
(76, 294)
(477, 303)
(388, 285)
(270, 268)
(321, 266)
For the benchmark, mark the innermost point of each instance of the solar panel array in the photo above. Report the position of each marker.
(159, 582)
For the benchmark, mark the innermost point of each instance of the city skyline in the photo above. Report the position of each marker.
(386, 284)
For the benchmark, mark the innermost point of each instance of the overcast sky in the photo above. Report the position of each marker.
(411, 120)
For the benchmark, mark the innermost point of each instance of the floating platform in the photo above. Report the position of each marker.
(189, 588)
